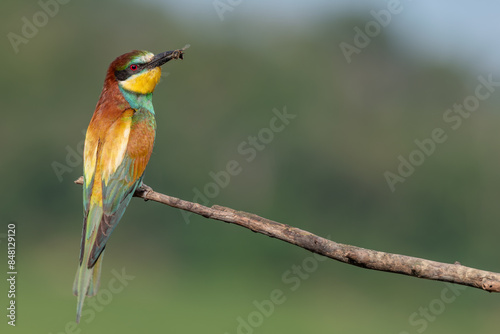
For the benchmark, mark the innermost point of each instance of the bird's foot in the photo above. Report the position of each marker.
(143, 191)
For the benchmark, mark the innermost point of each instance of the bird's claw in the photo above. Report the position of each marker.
(144, 190)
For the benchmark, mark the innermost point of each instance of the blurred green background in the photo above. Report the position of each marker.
(324, 172)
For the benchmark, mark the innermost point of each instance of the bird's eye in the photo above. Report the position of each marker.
(133, 67)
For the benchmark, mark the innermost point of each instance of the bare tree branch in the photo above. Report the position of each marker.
(365, 258)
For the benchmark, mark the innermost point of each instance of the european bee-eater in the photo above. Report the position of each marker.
(118, 144)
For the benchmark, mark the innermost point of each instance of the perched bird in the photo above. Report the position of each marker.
(118, 144)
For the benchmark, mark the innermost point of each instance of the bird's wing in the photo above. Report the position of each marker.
(123, 158)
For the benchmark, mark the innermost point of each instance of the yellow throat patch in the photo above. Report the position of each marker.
(142, 83)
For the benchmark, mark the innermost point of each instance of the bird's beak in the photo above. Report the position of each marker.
(164, 57)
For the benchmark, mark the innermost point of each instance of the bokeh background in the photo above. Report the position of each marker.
(324, 172)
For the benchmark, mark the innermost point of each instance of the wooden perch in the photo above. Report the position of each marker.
(365, 258)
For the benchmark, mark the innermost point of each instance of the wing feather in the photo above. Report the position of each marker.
(125, 154)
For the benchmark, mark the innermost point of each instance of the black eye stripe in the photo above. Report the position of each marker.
(126, 73)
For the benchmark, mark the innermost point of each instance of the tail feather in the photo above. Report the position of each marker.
(95, 280)
(87, 279)
(86, 284)
(82, 283)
